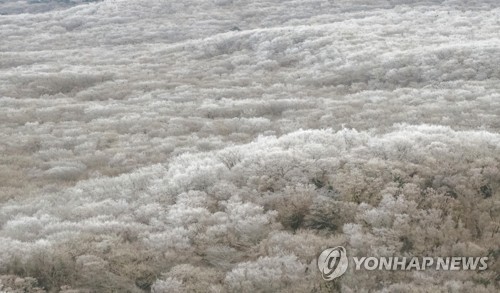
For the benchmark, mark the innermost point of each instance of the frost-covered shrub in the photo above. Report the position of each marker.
(167, 286)
(12, 283)
(189, 278)
(267, 274)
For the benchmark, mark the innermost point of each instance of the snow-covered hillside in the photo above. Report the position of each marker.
(220, 146)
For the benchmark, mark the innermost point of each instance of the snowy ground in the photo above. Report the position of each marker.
(220, 146)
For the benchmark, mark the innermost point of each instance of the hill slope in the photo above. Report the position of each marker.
(222, 145)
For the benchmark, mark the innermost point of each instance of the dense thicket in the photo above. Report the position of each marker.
(219, 146)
